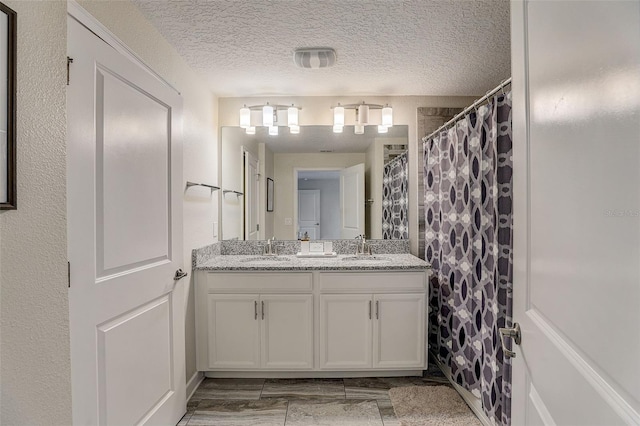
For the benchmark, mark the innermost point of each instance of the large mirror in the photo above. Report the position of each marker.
(325, 185)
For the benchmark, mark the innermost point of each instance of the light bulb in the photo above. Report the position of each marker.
(337, 129)
(273, 130)
(382, 129)
(338, 117)
(292, 116)
(294, 130)
(358, 129)
(245, 117)
(387, 116)
(251, 130)
(267, 115)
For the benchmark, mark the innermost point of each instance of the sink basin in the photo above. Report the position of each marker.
(265, 259)
(367, 258)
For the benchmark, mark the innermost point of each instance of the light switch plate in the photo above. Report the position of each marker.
(288, 221)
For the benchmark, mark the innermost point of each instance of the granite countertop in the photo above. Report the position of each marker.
(292, 263)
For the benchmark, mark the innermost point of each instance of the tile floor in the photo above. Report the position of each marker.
(299, 402)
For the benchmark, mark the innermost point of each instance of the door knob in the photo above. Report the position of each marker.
(514, 333)
(180, 274)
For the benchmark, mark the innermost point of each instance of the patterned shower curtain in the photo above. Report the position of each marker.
(468, 235)
(395, 223)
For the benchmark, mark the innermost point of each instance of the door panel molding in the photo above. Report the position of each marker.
(585, 367)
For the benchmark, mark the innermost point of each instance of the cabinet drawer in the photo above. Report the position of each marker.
(240, 282)
(375, 282)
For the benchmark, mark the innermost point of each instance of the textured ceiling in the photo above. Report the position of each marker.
(384, 47)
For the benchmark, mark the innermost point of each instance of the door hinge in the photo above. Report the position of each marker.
(258, 227)
(69, 274)
(69, 62)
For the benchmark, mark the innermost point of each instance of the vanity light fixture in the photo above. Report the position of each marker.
(270, 117)
(245, 117)
(338, 116)
(292, 116)
(362, 117)
(387, 116)
(267, 115)
(362, 114)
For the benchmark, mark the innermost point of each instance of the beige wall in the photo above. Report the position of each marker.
(35, 369)
(284, 165)
(317, 110)
(199, 131)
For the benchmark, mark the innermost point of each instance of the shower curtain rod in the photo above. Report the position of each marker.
(469, 108)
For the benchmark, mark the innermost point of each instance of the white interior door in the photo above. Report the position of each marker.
(309, 212)
(251, 197)
(576, 133)
(352, 201)
(124, 189)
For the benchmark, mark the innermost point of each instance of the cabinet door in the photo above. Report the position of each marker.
(287, 331)
(234, 331)
(398, 330)
(345, 331)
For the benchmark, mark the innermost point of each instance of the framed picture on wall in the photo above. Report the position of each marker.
(269, 194)
(7, 108)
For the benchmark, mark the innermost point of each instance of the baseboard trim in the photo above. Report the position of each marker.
(193, 383)
(261, 374)
(474, 403)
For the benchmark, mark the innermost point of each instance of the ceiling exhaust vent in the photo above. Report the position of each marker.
(314, 58)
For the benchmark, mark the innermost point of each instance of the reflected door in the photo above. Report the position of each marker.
(309, 213)
(352, 201)
(124, 206)
(251, 197)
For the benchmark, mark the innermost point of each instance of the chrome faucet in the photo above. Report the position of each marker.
(362, 247)
(270, 249)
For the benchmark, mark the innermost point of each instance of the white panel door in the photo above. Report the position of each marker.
(352, 201)
(234, 330)
(124, 189)
(309, 213)
(398, 330)
(345, 331)
(287, 331)
(576, 133)
(251, 197)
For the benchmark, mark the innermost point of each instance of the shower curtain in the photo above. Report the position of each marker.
(395, 223)
(468, 235)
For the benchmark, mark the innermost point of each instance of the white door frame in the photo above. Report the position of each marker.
(296, 170)
(78, 13)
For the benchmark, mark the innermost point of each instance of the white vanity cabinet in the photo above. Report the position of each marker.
(239, 328)
(319, 323)
(372, 320)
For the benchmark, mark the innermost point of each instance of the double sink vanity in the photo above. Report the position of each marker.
(284, 316)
